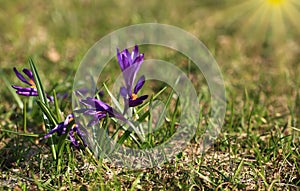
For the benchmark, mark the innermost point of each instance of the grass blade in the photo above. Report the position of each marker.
(21, 134)
(114, 100)
(38, 83)
(43, 98)
(25, 118)
(162, 115)
(48, 113)
(57, 110)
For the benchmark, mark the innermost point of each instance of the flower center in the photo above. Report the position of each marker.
(71, 119)
(32, 83)
(100, 112)
(134, 96)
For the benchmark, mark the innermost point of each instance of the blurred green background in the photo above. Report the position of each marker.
(254, 49)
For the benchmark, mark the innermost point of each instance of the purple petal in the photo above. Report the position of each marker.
(95, 103)
(137, 101)
(99, 110)
(120, 60)
(119, 116)
(128, 55)
(58, 127)
(135, 52)
(130, 65)
(123, 92)
(72, 138)
(62, 95)
(23, 89)
(90, 112)
(30, 92)
(125, 61)
(129, 75)
(81, 135)
(100, 105)
(51, 98)
(100, 115)
(20, 76)
(134, 103)
(68, 119)
(101, 93)
(139, 59)
(28, 73)
(27, 93)
(139, 84)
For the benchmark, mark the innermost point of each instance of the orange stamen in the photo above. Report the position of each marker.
(32, 83)
(71, 119)
(134, 96)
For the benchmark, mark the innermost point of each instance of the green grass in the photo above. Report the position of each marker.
(258, 147)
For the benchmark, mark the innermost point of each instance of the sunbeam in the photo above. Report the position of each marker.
(267, 20)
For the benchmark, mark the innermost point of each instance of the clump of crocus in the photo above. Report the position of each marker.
(98, 110)
(130, 65)
(27, 91)
(61, 129)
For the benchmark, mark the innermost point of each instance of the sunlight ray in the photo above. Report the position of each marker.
(271, 20)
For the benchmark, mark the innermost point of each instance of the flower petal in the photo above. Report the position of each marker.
(130, 65)
(120, 60)
(139, 84)
(68, 119)
(129, 75)
(28, 73)
(95, 103)
(51, 98)
(21, 77)
(135, 52)
(127, 54)
(72, 137)
(19, 88)
(81, 135)
(33, 93)
(25, 91)
(137, 101)
(123, 92)
(139, 59)
(57, 128)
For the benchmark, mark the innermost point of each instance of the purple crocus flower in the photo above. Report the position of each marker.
(31, 90)
(130, 65)
(98, 110)
(61, 129)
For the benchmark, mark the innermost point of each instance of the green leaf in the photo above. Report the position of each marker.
(25, 117)
(162, 115)
(57, 110)
(63, 137)
(38, 83)
(43, 99)
(21, 134)
(114, 100)
(48, 113)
